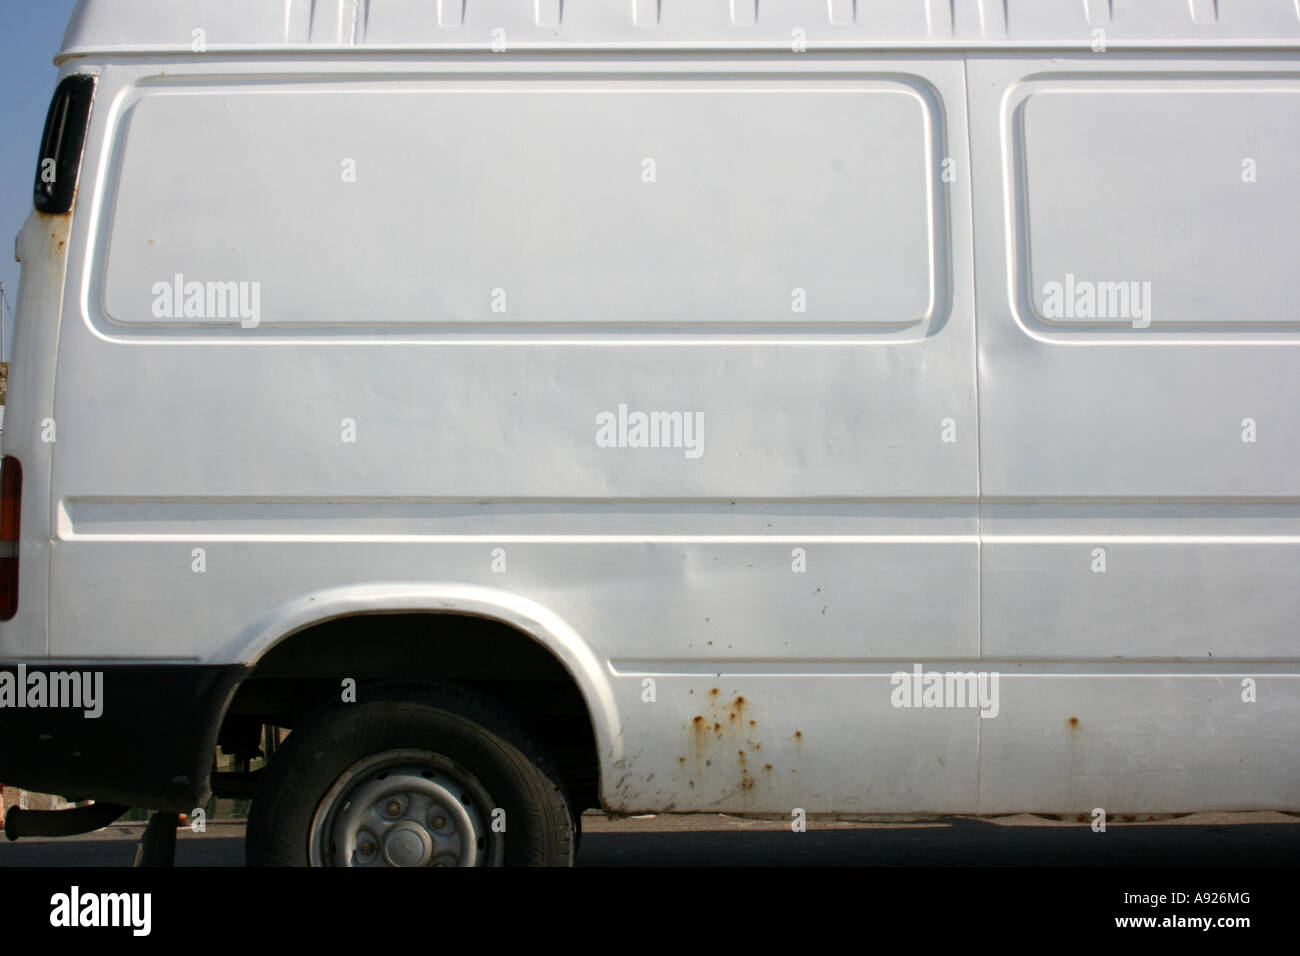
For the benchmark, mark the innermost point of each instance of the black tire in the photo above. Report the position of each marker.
(461, 731)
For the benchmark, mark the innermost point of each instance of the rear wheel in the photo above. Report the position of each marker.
(411, 775)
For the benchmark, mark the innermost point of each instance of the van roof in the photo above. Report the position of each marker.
(103, 27)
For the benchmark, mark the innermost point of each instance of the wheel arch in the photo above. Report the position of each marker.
(586, 670)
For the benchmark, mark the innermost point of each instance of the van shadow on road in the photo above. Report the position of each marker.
(715, 841)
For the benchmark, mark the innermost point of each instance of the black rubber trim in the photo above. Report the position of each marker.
(59, 166)
(152, 746)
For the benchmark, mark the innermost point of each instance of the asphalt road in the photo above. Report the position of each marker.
(1220, 839)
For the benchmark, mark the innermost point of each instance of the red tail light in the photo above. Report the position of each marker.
(11, 505)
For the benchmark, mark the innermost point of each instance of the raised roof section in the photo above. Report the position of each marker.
(168, 26)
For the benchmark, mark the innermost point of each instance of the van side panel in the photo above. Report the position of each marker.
(453, 339)
(1138, 342)
(41, 247)
(30, 430)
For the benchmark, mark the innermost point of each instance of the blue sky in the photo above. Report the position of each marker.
(31, 32)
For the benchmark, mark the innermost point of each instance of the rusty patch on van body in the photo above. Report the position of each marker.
(714, 772)
(723, 737)
(58, 225)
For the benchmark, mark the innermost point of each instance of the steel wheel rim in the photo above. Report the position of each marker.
(405, 807)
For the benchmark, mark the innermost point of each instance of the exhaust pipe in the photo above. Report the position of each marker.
(58, 823)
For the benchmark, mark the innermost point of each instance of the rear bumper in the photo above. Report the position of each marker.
(151, 745)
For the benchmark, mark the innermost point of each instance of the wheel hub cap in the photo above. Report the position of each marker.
(408, 844)
(404, 808)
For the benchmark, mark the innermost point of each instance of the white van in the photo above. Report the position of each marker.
(745, 406)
